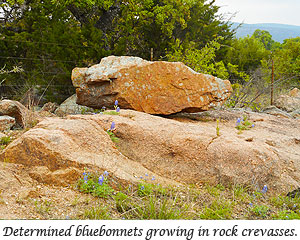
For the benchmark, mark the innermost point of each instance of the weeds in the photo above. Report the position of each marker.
(5, 140)
(149, 200)
(97, 187)
(243, 124)
(96, 213)
(42, 207)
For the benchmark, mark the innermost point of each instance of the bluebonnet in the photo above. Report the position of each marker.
(85, 177)
(265, 189)
(113, 126)
(101, 179)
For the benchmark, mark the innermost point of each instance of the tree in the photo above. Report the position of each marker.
(51, 37)
(266, 38)
(286, 61)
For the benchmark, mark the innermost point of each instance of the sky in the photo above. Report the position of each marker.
(262, 11)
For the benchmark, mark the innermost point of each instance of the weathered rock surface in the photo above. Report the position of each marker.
(289, 102)
(180, 150)
(16, 110)
(277, 112)
(61, 144)
(151, 87)
(69, 106)
(6, 123)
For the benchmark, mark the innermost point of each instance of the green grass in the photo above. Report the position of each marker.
(96, 213)
(149, 200)
(111, 113)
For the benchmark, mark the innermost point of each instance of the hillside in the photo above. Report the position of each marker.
(278, 31)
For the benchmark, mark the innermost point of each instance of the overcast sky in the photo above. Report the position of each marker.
(262, 11)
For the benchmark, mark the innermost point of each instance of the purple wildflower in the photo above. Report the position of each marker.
(113, 126)
(142, 187)
(105, 173)
(85, 178)
(146, 175)
(153, 178)
(251, 204)
(253, 125)
(238, 121)
(116, 103)
(118, 109)
(101, 179)
(265, 189)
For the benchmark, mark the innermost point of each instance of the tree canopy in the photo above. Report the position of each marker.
(51, 37)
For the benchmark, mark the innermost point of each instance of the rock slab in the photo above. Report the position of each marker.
(178, 150)
(152, 87)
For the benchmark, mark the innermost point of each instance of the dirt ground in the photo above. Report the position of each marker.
(22, 197)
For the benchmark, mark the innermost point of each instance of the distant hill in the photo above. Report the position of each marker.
(279, 32)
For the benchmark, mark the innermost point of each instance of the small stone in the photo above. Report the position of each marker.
(6, 123)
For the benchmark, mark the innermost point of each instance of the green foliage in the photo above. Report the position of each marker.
(145, 189)
(218, 209)
(218, 128)
(286, 61)
(42, 207)
(96, 213)
(260, 210)
(91, 184)
(286, 215)
(214, 190)
(265, 38)
(243, 124)
(241, 193)
(113, 136)
(5, 140)
(111, 113)
(157, 208)
(123, 202)
(48, 39)
(286, 202)
(200, 60)
(246, 53)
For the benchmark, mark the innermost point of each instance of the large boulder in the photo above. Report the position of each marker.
(289, 102)
(174, 150)
(152, 87)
